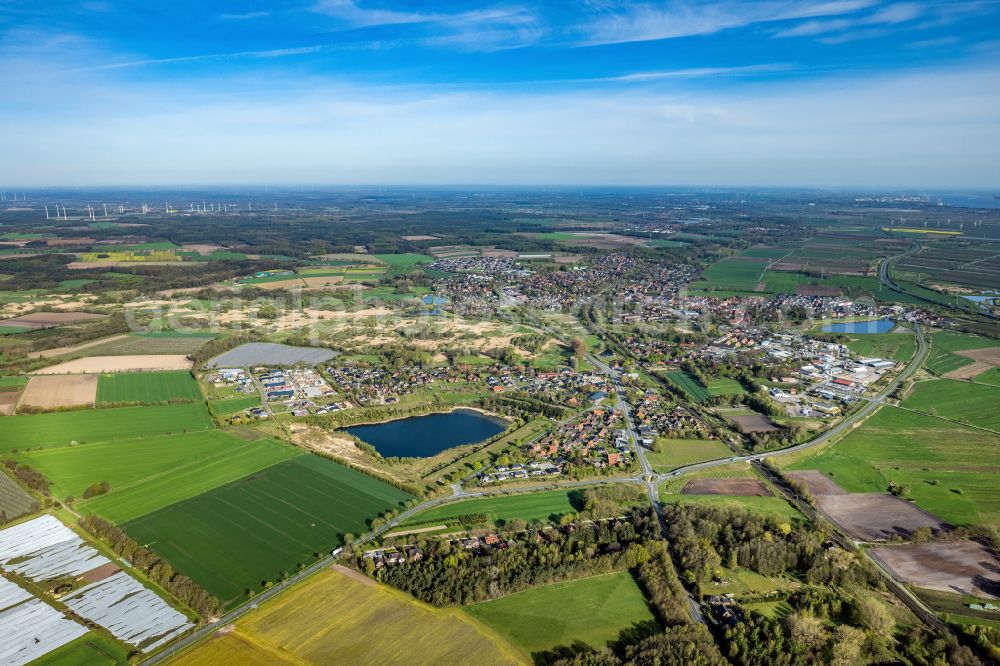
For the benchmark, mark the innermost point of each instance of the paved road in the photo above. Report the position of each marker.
(843, 426)
(650, 480)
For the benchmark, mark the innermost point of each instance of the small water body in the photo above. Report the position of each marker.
(425, 436)
(870, 327)
(968, 199)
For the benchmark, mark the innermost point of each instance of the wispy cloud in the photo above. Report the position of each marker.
(489, 29)
(243, 17)
(700, 72)
(891, 15)
(269, 53)
(647, 22)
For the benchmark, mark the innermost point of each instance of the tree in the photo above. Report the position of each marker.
(872, 614)
(845, 648)
(807, 632)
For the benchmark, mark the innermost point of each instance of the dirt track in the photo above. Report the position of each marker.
(61, 351)
(52, 392)
(734, 487)
(963, 567)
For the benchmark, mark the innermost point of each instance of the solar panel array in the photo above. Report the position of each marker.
(44, 549)
(128, 610)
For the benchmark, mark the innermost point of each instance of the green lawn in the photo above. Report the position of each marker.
(146, 387)
(895, 346)
(592, 610)
(679, 452)
(94, 425)
(527, 506)
(975, 404)
(687, 383)
(937, 459)
(237, 536)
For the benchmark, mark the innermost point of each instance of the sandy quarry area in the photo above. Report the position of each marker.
(327, 443)
(135, 363)
(55, 391)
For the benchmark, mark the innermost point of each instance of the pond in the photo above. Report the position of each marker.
(872, 326)
(424, 436)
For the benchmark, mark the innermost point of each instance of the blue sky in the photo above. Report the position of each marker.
(772, 92)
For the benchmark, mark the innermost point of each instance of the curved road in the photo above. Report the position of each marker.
(650, 480)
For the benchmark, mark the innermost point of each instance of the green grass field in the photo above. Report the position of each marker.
(724, 386)
(527, 506)
(227, 407)
(941, 359)
(151, 473)
(95, 425)
(13, 382)
(934, 457)
(775, 507)
(991, 376)
(895, 346)
(404, 262)
(687, 383)
(678, 452)
(974, 404)
(592, 610)
(237, 536)
(146, 387)
(92, 648)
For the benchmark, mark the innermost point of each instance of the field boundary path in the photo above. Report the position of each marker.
(650, 480)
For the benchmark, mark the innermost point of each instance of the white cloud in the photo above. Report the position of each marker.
(490, 29)
(684, 18)
(890, 15)
(243, 17)
(880, 131)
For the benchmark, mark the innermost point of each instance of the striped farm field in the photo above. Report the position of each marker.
(235, 537)
(146, 387)
(334, 618)
(95, 425)
(942, 358)
(974, 404)
(153, 472)
(687, 383)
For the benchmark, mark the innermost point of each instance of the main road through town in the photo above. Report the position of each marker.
(648, 478)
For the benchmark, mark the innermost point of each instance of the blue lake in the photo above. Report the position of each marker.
(424, 436)
(872, 326)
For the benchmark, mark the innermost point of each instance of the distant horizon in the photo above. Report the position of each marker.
(840, 92)
(900, 190)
